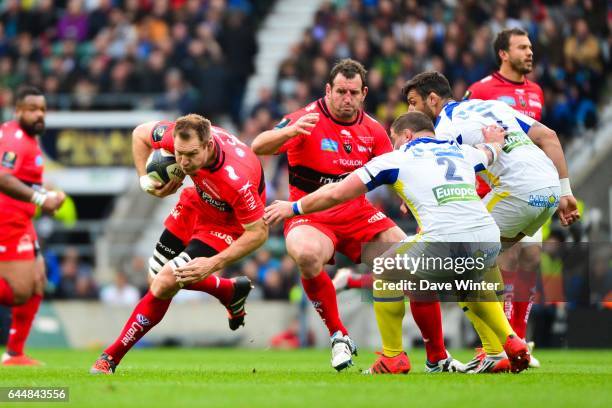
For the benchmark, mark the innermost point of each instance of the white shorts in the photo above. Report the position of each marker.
(514, 215)
(536, 239)
(481, 243)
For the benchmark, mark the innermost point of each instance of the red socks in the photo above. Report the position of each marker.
(22, 317)
(519, 299)
(360, 282)
(320, 290)
(221, 288)
(147, 313)
(429, 319)
(6, 293)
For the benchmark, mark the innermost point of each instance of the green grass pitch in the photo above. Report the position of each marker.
(265, 378)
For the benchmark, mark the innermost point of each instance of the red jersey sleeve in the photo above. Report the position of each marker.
(286, 121)
(382, 143)
(247, 204)
(161, 136)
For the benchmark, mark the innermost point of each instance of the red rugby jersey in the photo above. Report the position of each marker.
(21, 156)
(332, 150)
(233, 187)
(526, 97)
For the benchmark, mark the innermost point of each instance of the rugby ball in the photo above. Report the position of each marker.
(161, 166)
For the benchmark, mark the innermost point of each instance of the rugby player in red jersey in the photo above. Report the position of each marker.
(22, 268)
(324, 142)
(509, 84)
(229, 181)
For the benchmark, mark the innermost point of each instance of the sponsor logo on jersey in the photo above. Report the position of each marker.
(447, 193)
(158, 132)
(240, 153)
(231, 173)
(516, 139)
(2, 249)
(362, 149)
(350, 162)
(311, 107)
(218, 204)
(328, 145)
(376, 217)
(535, 104)
(9, 159)
(507, 100)
(176, 211)
(25, 244)
(223, 237)
(38, 160)
(543, 201)
(248, 195)
(284, 122)
(142, 319)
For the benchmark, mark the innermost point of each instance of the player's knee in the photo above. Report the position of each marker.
(308, 257)
(164, 284)
(21, 294)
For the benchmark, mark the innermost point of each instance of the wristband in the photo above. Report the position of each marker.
(297, 208)
(146, 183)
(566, 190)
(38, 198)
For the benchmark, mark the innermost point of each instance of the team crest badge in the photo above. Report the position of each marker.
(9, 159)
(158, 132)
(348, 147)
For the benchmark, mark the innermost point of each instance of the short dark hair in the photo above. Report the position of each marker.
(27, 90)
(348, 68)
(502, 41)
(428, 82)
(415, 121)
(194, 122)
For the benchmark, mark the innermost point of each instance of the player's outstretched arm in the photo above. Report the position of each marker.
(547, 140)
(325, 197)
(48, 201)
(270, 141)
(254, 236)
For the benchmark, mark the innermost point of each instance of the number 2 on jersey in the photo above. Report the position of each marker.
(450, 169)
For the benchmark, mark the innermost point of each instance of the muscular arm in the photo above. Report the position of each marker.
(547, 140)
(141, 146)
(14, 188)
(254, 236)
(270, 141)
(331, 195)
(325, 197)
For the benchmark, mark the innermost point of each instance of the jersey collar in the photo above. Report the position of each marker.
(219, 157)
(448, 111)
(502, 78)
(424, 140)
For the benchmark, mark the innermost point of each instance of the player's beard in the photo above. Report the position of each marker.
(34, 129)
(521, 67)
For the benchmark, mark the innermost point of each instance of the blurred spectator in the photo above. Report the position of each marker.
(120, 292)
(76, 277)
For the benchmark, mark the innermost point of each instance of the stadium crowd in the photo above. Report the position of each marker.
(197, 55)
